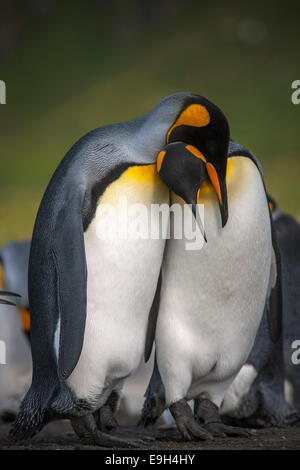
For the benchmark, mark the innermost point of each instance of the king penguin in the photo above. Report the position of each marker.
(90, 295)
(5, 292)
(266, 392)
(212, 300)
(15, 377)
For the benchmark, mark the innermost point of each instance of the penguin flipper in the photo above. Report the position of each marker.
(68, 254)
(274, 303)
(152, 320)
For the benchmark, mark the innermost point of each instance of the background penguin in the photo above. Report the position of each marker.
(14, 257)
(212, 301)
(90, 298)
(4, 301)
(15, 376)
(258, 396)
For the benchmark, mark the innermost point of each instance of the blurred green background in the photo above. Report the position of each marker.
(71, 66)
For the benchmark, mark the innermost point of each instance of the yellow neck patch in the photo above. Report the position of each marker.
(143, 173)
(160, 159)
(194, 115)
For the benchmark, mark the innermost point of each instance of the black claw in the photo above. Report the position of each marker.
(186, 422)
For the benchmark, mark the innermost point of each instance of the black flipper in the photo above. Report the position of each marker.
(70, 264)
(57, 290)
(152, 320)
(274, 304)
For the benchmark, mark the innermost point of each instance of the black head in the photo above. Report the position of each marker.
(183, 171)
(201, 124)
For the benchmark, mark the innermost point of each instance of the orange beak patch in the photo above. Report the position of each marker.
(159, 160)
(213, 176)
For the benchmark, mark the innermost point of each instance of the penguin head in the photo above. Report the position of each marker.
(182, 169)
(204, 130)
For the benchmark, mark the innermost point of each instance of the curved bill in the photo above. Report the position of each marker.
(195, 210)
(221, 190)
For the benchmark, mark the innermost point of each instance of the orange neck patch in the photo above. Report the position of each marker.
(25, 317)
(194, 115)
(195, 152)
(160, 160)
(213, 176)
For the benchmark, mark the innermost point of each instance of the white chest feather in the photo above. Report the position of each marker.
(122, 278)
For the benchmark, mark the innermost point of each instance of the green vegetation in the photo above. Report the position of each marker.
(82, 66)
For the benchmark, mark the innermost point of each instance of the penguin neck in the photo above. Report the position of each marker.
(150, 134)
(151, 129)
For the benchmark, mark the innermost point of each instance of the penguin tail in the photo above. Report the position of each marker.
(33, 413)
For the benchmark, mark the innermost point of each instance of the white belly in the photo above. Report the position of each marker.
(122, 278)
(213, 299)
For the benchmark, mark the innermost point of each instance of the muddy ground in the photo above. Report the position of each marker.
(59, 435)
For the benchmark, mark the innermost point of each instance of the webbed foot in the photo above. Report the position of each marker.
(86, 428)
(207, 413)
(186, 423)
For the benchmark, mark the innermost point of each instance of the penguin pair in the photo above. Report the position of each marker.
(266, 392)
(94, 301)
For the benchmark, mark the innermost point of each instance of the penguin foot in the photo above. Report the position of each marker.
(220, 429)
(207, 413)
(105, 419)
(186, 422)
(135, 434)
(86, 429)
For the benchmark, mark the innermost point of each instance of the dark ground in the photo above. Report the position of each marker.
(59, 435)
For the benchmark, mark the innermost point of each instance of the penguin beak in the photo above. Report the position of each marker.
(221, 191)
(198, 218)
(193, 202)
